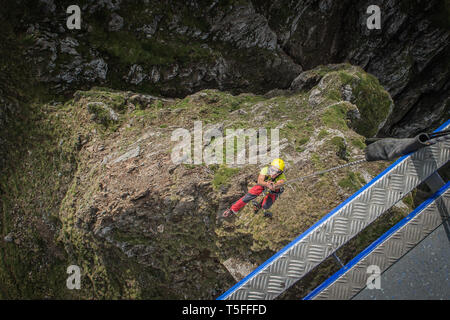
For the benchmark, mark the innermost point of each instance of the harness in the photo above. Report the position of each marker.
(267, 190)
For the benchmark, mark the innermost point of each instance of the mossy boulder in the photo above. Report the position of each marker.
(345, 83)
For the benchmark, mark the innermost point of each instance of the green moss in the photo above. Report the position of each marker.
(322, 70)
(339, 142)
(290, 125)
(189, 166)
(352, 182)
(101, 115)
(373, 102)
(223, 175)
(130, 238)
(302, 141)
(322, 134)
(339, 145)
(346, 77)
(317, 162)
(128, 49)
(334, 94)
(409, 200)
(114, 99)
(335, 117)
(31, 269)
(358, 142)
(158, 104)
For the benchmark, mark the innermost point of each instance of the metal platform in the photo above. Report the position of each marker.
(387, 249)
(321, 240)
(422, 274)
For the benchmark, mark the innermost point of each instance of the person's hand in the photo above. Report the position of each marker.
(271, 185)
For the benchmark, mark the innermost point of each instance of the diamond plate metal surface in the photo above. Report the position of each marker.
(387, 252)
(311, 248)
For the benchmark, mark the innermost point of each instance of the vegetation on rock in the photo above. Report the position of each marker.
(86, 175)
(103, 193)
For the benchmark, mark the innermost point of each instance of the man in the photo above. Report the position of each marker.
(270, 177)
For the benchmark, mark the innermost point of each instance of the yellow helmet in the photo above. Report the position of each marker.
(278, 163)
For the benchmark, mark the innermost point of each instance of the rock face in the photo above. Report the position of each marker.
(174, 49)
(244, 28)
(409, 55)
(107, 195)
(249, 46)
(91, 181)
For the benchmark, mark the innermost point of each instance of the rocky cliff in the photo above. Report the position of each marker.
(180, 47)
(98, 187)
(87, 117)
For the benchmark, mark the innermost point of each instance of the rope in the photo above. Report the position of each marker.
(353, 163)
(439, 134)
(434, 138)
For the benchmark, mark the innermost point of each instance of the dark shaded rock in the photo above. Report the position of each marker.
(252, 46)
(244, 28)
(136, 74)
(116, 22)
(410, 54)
(305, 81)
(9, 237)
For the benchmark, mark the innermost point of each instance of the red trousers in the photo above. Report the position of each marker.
(267, 202)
